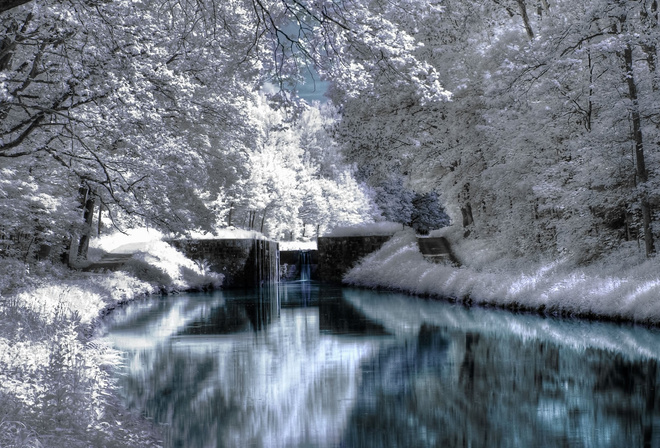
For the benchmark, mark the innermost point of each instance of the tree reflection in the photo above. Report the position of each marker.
(243, 372)
(503, 392)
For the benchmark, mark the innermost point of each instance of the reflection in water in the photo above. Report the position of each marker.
(305, 366)
(339, 317)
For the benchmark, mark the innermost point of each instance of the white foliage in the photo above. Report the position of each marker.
(554, 286)
(148, 246)
(366, 229)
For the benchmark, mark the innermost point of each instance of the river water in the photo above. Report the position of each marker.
(306, 366)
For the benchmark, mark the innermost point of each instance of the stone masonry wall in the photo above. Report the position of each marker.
(244, 262)
(337, 255)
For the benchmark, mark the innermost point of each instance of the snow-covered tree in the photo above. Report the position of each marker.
(142, 105)
(298, 183)
(547, 143)
(112, 97)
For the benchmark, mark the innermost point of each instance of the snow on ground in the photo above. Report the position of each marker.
(135, 238)
(366, 229)
(613, 288)
(297, 245)
(156, 261)
(55, 383)
(228, 233)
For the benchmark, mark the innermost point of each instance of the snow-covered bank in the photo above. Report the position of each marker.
(614, 288)
(297, 245)
(366, 229)
(56, 382)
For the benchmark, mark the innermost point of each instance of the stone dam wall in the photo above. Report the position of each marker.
(245, 263)
(337, 255)
(437, 250)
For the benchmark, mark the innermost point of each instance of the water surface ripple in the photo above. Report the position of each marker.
(303, 365)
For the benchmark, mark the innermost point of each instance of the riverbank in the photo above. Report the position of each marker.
(56, 379)
(623, 286)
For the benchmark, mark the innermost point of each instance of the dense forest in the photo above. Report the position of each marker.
(534, 122)
(549, 142)
(173, 115)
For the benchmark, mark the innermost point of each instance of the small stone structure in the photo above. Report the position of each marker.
(436, 249)
(337, 255)
(250, 262)
(109, 262)
(245, 263)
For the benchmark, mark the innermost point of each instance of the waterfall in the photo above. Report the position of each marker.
(304, 260)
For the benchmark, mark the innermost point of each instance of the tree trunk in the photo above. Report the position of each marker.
(590, 106)
(546, 6)
(99, 224)
(641, 172)
(525, 18)
(231, 211)
(467, 215)
(88, 200)
(468, 219)
(649, 19)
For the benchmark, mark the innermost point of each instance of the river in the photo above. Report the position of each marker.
(302, 365)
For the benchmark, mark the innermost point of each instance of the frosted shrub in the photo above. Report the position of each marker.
(54, 383)
(196, 280)
(147, 272)
(17, 435)
(13, 276)
(64, 403)
(608, 289)
(54, 388)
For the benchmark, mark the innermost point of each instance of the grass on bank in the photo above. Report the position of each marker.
(56, 379)
(621, 286)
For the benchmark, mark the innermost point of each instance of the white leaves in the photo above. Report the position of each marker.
(295, 174)
(146, 101)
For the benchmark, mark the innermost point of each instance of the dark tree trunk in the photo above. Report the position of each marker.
(525, 17)
(642, 174)
(467, 215)
(88, 200)
(231, 211)
(263, 220)
(99, 224)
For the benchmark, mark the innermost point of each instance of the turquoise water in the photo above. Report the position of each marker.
(301, 365)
